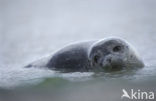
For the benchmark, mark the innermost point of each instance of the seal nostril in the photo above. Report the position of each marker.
(109, 60)
(117, 48)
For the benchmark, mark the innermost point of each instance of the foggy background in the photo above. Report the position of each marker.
(30, 29)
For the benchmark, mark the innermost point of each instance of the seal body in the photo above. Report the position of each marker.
(71, 58)
(111, 54)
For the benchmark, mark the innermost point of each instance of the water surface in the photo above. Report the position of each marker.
(30, 30)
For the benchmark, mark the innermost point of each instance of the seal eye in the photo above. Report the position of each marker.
(96, 58)
(117, 48)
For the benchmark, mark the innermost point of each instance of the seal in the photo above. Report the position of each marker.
(111, 54)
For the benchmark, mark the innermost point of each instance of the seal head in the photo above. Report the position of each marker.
(113, 54)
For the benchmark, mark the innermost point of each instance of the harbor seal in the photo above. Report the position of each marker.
(111, 54)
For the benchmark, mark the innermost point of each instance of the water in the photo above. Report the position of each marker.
(30, 30)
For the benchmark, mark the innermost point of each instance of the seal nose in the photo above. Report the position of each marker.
(109, 60)
(112, 63)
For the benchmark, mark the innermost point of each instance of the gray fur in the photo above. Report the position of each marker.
(109, 54)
